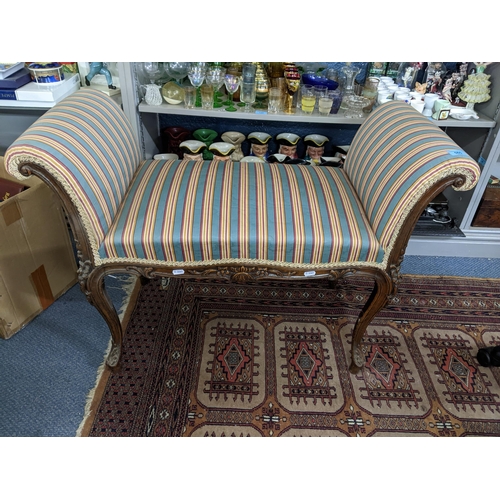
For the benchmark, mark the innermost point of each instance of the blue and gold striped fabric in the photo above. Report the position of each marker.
(396, 155)
(190, 212)
(87, 143)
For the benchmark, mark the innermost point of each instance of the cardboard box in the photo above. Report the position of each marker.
(37, 261)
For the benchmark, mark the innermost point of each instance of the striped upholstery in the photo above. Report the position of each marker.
(190, 212)
(87, 144)
(395, 156)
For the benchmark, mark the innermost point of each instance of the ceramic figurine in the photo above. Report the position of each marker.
(192, 150)
(235, 138)
(420, 87)
(172, 137)
(475, 88)
(259, 144)
(222, 150)
(315, 148)
(288, 144)
(207, 136)
(101, 69)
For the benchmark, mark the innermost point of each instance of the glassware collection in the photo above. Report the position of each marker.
(288, 88)
(348, 90)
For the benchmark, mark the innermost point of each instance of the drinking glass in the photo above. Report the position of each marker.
(220, 83)
(152, 70)
(247, 95)
(336, 95)
(232, 83)
(207, 96)
(196, 75)
(215, 77)
(325, 105)
(248, 86)
(308, 99)
(177, 70)
(275, 99)
(189, 97)
(319, 91)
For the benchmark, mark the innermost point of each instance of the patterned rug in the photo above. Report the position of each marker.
(206, 358)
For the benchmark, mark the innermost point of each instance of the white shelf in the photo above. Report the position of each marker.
(178, 109)
(338, 119)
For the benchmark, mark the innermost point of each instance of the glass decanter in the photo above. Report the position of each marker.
(350, 72)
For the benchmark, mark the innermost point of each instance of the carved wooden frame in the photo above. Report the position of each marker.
(91, 277)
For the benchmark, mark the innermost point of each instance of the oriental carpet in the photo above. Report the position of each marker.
(214, 358)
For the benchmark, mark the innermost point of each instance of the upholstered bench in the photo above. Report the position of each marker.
(240, 221)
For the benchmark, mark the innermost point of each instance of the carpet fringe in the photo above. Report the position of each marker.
(127, 284)
(90, 395)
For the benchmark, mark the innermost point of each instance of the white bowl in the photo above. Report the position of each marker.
(166, 156)
(460, 116)
(252, 159)
(460, 113)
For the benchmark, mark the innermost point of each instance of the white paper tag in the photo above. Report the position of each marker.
(309, 273)
(178, 271)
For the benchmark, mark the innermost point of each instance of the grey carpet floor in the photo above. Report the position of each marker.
(48, 368)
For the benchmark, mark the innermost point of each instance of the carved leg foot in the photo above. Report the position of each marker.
(357, 360)
(114, 355)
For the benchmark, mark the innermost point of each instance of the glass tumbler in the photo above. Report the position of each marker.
(275, 100)
(319, 91)
(336, 95)
(207, 96)
(308, 99)
(325, 105)
(189, 97)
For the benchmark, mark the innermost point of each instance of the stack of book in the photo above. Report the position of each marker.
(18, 90)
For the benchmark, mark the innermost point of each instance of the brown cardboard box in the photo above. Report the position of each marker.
(37, 262)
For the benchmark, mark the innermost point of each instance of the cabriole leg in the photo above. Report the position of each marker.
(98, 297)
(382, 289)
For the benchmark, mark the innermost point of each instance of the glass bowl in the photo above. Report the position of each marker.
(172, 92)
(354, 105)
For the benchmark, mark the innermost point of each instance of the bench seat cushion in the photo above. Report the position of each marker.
(187, 212)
